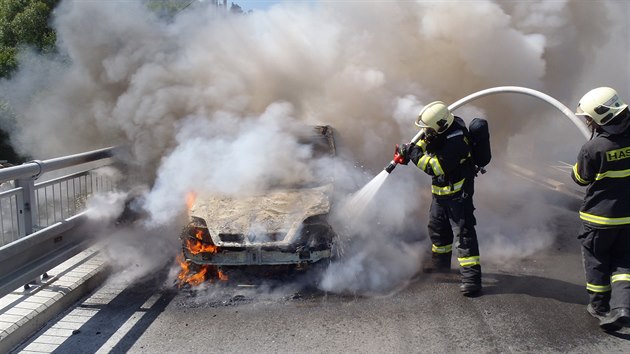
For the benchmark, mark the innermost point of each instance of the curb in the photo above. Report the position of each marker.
(23, 312)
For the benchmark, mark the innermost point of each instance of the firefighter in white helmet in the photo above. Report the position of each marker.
(603, 165)
(444, 153)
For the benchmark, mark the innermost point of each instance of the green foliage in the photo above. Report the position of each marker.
(7, 153)
(31, 25)
(236, 9)
(8, 61)
(6, 150)
(167, 8)
(24, 22)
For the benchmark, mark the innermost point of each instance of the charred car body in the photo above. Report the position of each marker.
(283, 226)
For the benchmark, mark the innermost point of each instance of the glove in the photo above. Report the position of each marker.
(401, 154)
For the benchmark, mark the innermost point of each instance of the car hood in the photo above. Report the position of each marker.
(279, 210)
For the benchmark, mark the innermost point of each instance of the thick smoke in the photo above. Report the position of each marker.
(210, 101)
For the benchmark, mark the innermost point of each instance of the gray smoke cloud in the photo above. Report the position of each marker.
(201, 98)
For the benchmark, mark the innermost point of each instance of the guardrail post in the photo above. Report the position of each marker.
(27, 212)
(40, 246)
(26, 206)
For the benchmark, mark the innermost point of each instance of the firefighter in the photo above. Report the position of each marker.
(443, 152)
(603, 165)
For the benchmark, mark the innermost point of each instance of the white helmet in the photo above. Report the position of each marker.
(435, 115)
(601, 104)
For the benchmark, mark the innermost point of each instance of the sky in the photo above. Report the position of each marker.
(209, 104)
(254, 5)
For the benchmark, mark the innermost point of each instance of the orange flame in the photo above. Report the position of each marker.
(185, 277)
(190, 199)
(182, 277)
(198, 278)
(196, 247)
(205, 271)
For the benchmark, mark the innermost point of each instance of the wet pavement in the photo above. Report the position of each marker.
(537, 304)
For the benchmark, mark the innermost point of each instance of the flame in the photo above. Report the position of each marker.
(182, 277)
(190, 199)
(196, 247)
(205, 272)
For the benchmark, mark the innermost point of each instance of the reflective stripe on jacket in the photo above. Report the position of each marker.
(603, 165)
(447, 160)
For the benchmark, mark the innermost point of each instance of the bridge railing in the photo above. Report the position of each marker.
(35, 218)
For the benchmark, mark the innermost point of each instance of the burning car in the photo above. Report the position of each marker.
(286, 226)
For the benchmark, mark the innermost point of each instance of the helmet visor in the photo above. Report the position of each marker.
(580, 112)
(421, 124)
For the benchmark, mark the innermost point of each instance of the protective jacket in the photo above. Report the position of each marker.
(447, 158)
(603, 164)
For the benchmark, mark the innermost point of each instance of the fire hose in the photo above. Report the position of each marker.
(507, 89)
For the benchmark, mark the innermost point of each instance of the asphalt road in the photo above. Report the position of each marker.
(533, 304)
(537, 304)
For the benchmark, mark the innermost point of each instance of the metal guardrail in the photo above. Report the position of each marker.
(37, 219)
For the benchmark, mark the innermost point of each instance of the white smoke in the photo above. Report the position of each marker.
(106, 207)
(229, 155)
(206, 100)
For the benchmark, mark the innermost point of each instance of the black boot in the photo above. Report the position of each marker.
(615, 319)
(439, 263)
(596, 312)
(599, 303)
(471, 280)
(470, 289)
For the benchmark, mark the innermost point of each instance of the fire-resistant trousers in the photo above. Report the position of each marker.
(453, 219)
(606, 256)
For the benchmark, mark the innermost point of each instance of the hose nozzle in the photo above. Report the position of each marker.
(390, 167)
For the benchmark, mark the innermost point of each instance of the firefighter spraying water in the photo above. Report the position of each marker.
(365, 194)
(445, 152)
(453, 155)
(506, 89)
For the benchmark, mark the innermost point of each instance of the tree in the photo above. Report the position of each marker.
(24, 23)
(6, 151)
(168, 8)
(236, 9)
